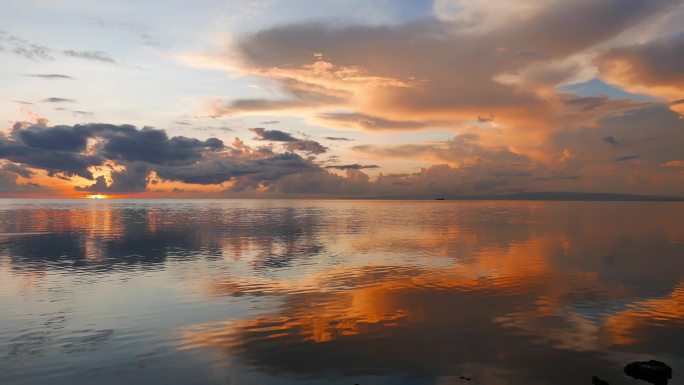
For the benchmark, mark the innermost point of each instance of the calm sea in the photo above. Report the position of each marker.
(338, 292)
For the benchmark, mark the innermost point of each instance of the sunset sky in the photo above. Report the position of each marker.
(344, 98)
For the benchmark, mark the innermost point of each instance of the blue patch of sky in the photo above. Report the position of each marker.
(596, 87)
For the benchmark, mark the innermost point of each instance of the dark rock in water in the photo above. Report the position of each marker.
(598, 381)
(651, 371)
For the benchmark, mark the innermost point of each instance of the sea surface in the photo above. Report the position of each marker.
(338, 292)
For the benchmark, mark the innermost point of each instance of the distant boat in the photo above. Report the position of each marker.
(439, 199)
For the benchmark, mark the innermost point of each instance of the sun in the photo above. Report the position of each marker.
(96, 196)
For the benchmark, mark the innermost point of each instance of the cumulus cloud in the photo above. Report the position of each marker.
(491, 76)
(10, 185)
(411, 75)
(655, 67)
(477, 66)
(132, 154)
(63, 149)
(465, 165)
(134, 178)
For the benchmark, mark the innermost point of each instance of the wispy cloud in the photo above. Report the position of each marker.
(58, 100)
(354, 166)
(90, 55)
(50, 76)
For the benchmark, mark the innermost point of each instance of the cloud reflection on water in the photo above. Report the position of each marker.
(396, 292)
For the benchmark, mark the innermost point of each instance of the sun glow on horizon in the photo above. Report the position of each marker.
(97, 196)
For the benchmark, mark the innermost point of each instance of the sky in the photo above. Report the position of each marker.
(344, 98)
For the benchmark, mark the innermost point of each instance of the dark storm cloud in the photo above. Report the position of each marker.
(50, 76)
(273, 135)
(155, 147)
(53, 161)
(57, 138)
(90, 55)
(249, 171)
(354, 166)
(61, 149)
(65, 151)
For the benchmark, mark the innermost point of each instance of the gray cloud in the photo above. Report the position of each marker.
(65, 151)
(339, 139)
(90, 55)
(654, 132)
(249, 172)
(610, 139)
(9, 184)
(155, 147)
(54, 162)
(58, 100)
(24, 47)
(354, 166)
(308, 146)
(273, 135)
(15, 168)
(62, 149)
(50, 76)
(291, 143)
(626, 157)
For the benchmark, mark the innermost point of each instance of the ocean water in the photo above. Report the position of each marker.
(338, 292)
